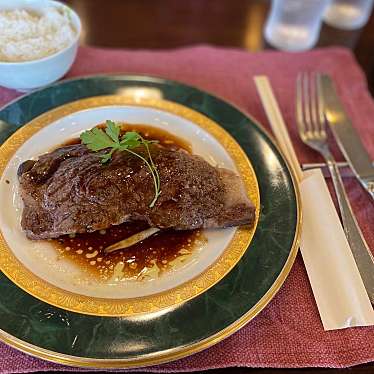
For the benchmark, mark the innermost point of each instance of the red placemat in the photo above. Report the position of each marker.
(288, 333)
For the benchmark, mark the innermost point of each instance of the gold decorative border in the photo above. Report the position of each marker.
(56, 296)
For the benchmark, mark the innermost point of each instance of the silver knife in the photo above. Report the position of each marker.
(346, 136)
(356, 155)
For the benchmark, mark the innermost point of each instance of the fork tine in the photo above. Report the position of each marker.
(321, 105)
(299, 104)
(306, 101)
(313, 103)
(310, 111)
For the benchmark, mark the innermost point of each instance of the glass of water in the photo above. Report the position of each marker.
(348, 14)
(294, 25)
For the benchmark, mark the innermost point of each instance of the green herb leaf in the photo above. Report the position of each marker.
(96, 139)
(107, 156)
(112, 130)
(131, 139)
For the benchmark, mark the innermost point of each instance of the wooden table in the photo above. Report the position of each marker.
(153, 24)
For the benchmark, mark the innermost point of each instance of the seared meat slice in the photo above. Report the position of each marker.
(70, 191)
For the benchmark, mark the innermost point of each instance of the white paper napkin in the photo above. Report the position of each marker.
(336, 282)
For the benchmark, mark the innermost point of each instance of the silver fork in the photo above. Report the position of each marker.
(311, 124)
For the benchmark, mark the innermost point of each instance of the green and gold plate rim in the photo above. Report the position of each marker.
(52, 343)
(45, 291)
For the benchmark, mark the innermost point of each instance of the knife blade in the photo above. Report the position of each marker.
(346, 136)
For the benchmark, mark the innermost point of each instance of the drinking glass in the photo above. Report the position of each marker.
(294, 25)
(348, 14)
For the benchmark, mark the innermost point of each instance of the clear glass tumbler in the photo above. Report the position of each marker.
(294, 25)
(348, 14)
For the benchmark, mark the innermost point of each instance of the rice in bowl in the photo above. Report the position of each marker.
(26, 35)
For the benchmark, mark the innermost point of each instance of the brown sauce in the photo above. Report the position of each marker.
(161, 251)
(150, 133)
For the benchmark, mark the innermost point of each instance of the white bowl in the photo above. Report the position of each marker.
(28, 75)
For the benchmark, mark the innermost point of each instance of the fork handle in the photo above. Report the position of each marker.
(360, 250)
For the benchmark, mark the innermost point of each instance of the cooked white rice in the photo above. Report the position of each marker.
(25, 35)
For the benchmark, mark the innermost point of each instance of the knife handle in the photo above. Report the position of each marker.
(360, 250)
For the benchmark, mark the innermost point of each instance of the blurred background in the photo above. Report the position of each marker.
(161, 24)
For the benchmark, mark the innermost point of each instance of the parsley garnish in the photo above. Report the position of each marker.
(98, 140)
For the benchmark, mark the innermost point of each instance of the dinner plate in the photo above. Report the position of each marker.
(53, 276)
(216, 292)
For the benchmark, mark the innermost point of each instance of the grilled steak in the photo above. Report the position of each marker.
(70, 191)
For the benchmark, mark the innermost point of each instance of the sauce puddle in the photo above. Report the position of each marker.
(164, 138)
(149, 258)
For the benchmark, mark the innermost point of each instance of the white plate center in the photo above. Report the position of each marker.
(42, 258)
